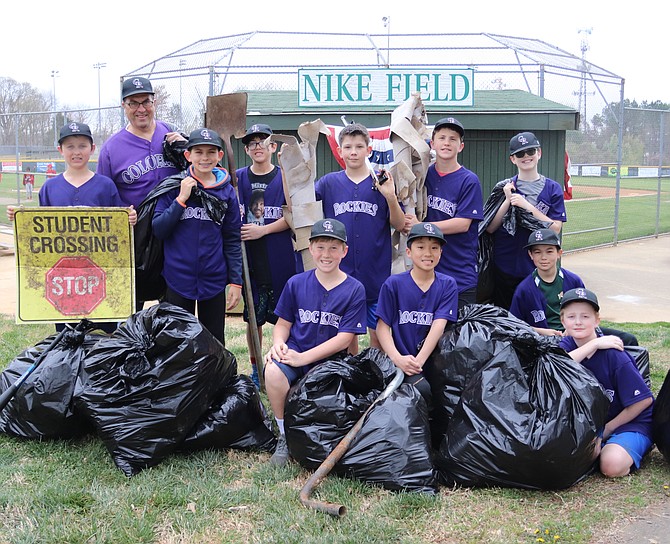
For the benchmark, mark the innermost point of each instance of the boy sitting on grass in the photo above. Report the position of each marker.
(319, 314)
(416, 306)
(627, 435)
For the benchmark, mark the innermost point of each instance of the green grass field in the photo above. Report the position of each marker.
(70, 492)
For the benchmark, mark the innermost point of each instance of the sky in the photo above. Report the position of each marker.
(40, 36)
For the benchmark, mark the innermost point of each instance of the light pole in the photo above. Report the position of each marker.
(54, 75)
(98, 66)
(182, 63)
(387, 25)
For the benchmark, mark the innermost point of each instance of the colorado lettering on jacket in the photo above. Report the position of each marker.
(195, 213)
(135, 171)
(355, 206)
(442, 204)
(320, 318)
(417, 318)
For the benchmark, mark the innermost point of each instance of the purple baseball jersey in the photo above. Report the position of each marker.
(622, 382)
(97, 191)
(366, 216)
(317, 315)
(410, 312)
(529, 304)
(200, 257)
(277, 246)
(509, 252)
(457, 194)
(135, 164)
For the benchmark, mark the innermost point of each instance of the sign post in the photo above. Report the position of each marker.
(74, 263)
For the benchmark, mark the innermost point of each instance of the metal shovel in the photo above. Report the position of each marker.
(227, 115)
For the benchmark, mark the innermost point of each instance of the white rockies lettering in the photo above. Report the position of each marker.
(538, 315)
(135, 171)
(319, 318)
(355, 206)
(195, 213)
(418, 318)
(442, 204)
(273, 212)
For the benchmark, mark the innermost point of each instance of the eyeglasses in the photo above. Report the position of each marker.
(530, 152)
(133, 105)
(255, 144)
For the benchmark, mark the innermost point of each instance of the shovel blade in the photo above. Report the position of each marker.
(227, 114)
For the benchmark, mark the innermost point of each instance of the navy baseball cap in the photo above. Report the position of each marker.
(450, 122)
(75, 129)
(545, 237)
(523, 141)
(329, 228)
(255, 130)
(204, 136)
(425, 230)
(136, 85)
(580, 294)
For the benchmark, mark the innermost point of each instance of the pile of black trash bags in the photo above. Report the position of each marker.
(509, 407)
(160, 384)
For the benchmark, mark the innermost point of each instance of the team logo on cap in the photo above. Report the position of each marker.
(581, 293)
(522, 139)
(451, 120)
(74, 127)
(138, 84)
(429, 228)
(255, 128)
(327, 226)
(205, 134)
(538, 236)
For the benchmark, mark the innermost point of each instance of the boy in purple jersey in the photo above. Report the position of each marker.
(78, 185)
(133, 157)
(201, 257)
(537, 299)
(319, 313)
(627, 436)
(530, 191)
(415, 306)
(265, 231)
(368, 211)
(454, 205)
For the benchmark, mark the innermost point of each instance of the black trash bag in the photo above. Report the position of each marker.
(392, 448)
(322, 407)
(147, 385)
(42, 406)
(149, 282)
(529, 419)
(661, 419)
(238, 421)
(174, 151)
(514, 216)
(641, 357)
(480, 332)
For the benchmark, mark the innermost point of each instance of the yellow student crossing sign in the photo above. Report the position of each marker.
(74, 263)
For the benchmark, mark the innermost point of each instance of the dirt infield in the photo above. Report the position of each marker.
(608, 192)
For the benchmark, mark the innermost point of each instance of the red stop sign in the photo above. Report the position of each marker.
(75, 285)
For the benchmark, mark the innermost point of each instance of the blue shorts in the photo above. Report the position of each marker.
(637, 445)
(372, 315)
(294, 373)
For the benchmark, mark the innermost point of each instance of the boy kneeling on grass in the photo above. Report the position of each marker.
(319, 314)
(627, 435)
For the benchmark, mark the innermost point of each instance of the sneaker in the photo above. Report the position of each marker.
(254, 377)
(280, 456)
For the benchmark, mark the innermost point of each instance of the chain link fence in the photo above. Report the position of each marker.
(619, 157)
